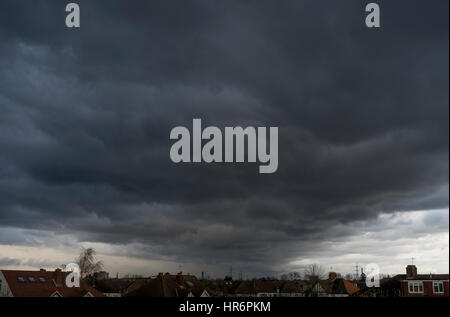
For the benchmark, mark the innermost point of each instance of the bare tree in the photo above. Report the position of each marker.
(313, 274)
(314, 271)
(294, 275)
(291, 276)
(86, 262)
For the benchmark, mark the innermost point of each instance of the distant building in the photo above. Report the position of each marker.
(293, 288)
(114, 287)
(102, 275)
(225, 287)
(271, 288)
(41, 283)
(410, 284)
(423, 285)
(168, 285)
(259, 288)
(334, 286)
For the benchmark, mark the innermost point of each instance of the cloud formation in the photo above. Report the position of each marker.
(86, 116)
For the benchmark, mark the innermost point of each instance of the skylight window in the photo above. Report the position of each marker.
(31, 279)
(21, 279)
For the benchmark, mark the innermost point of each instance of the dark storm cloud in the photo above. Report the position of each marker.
(86, 115)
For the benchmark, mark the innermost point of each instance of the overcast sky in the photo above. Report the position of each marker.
(85, 118)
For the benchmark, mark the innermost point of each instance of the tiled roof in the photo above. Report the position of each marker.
(350, 287)
(432, 276)
(259, 286)
(135, 285)
(167, 285)
(44, 287)
(385, 280)
(338, 286)
(114, 285)
(295, 286)
(422, 277)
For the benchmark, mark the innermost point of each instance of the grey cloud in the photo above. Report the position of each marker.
(86, 115)
(9, 262)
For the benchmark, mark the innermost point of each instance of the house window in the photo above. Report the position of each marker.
(415, 287)
(438, 287)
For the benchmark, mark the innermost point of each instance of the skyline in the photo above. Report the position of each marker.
(362, 117)
(123, 265)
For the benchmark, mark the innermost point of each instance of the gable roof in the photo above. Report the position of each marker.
(44, 285)
(335, 286)
(135, 285)
(350, 287)
(113, 285)
(259, 286)
(324, 286)
(294, 286)
(167, 285)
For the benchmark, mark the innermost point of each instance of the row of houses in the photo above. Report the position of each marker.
(44, 283)
(410, 284)
(51, 284)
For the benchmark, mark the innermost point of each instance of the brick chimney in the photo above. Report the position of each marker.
(411, 271)
(332, 276)
(58, 277)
